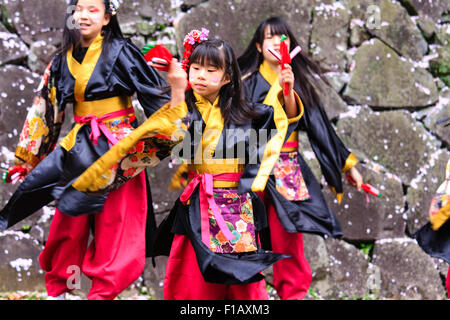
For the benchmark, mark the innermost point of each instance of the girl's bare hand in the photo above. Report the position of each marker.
(356, 176)
(177, 77)
(287, 76)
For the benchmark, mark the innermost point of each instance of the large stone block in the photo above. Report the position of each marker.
(340, 270)
(6, 190)
(158, 12)
(331, 100)
(381, 78)
(33, 22)
(392, 139)
(316, 254)
(390, 22)
(406, 271)
(17, 86)
(40, 223)
(349, 269)
(12, 48)
(329, 35)
(40, 56)
(236, 21)
(19, 265)
(367, 218)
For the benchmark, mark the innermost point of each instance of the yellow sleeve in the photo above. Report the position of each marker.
(441, 217)
(299, 105)
(350, 162)
(164, 122)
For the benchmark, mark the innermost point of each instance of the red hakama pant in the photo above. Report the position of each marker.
(184, 281)
(114, 259)
(291, 276)
(447, 282)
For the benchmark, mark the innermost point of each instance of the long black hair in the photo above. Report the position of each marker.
(303, 67)
(72, 36)
(219, 53)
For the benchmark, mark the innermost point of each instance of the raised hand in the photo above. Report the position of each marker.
(177, 78)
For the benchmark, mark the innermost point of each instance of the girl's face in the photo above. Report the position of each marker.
(206, 80)
(91, 16)
(271, 40)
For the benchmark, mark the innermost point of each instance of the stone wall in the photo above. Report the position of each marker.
(388, 65)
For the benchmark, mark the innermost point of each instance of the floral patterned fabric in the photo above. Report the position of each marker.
(289, 179)
(43, 123)
(147, 152)
(237, 211)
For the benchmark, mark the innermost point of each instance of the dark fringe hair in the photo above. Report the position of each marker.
(233, 107)
(303, 67)
(72, 37)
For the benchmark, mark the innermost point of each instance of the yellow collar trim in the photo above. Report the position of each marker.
(214, 125)
(274, 145)
(203, 103)
(268, 73)
(83, 72)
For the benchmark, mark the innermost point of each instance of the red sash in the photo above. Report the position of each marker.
(98, 125)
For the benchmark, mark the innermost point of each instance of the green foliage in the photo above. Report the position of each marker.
(26, 228)
(366, 248)
(439, 67)
(446, 79)
(313, 294)
(5, 19)
(446, 17)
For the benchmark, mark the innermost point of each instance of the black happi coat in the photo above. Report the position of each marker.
(436, 243)
(110, 75)
(313, 215)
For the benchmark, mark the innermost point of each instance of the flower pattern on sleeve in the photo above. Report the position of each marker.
(42, 126)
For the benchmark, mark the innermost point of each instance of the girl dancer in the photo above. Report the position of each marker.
(434, 237)
(293, 197)
(230, 147)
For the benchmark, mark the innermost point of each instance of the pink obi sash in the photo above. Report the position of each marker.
(207, 200)
(291, 144)
(97, 124)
